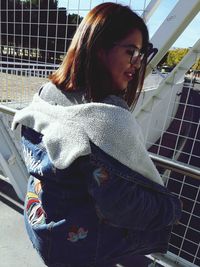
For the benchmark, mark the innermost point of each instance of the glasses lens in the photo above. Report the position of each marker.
(136, 54)
(141, 56)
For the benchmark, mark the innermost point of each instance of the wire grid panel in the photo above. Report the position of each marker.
(184, 245)
(180, 140)
(34, 37)
(41, 31)
(19, 85)
(179, 130)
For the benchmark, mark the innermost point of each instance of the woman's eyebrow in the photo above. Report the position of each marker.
(131, 46)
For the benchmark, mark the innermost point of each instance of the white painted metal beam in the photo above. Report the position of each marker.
(150, 9)
(12, 163)
(175, 23)
(173, 77)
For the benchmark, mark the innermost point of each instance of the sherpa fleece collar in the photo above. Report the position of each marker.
(67, 132)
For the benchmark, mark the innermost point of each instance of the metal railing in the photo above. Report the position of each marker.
(164, 162)
(176, 166)
(7, 110)
(20, 81)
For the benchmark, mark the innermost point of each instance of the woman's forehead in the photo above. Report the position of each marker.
(133, 39)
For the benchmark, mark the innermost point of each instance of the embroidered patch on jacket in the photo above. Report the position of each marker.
(38, 186)
(100, 175)
(76, 234)
(35, 212)
(32, 164)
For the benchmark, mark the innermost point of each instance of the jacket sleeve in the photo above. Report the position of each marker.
(125, 202)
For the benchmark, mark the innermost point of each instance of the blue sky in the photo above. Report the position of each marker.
(187, 38)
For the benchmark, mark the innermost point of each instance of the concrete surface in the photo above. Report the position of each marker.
(15, 248)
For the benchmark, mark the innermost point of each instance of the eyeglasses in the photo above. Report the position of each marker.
(133, 52)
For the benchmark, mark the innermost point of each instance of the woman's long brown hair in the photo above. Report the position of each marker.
(81, 68)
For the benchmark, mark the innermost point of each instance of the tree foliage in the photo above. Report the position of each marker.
(196, 66)
(174, 56)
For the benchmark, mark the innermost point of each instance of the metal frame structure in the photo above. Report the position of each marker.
(175, 23)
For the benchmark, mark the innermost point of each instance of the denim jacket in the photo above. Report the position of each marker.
(96, 210)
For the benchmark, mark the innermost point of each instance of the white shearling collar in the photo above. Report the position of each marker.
(67, 132)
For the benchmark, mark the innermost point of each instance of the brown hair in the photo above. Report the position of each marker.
(81, 69)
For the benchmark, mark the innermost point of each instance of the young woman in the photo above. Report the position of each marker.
(94, 195)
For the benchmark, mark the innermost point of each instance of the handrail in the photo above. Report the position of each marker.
(32, 65)
(175, 165)
(161, 161)
(7, 110)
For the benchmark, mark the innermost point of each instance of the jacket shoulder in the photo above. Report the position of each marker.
(55, 96)
(100, 158)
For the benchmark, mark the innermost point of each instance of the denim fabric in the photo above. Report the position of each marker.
(94, 212)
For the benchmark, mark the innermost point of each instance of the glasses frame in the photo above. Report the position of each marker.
(137, 53)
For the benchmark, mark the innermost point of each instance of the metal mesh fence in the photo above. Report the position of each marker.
(35, 35)
(180, 141)
(40, 31)
(185, 239)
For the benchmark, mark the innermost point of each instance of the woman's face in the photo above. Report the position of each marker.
(118, 59)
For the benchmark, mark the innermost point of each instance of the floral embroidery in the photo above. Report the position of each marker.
(76, 234)
(31, 195)
(38, 186)
(100, 175)
(32, 164)
(35, 212)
